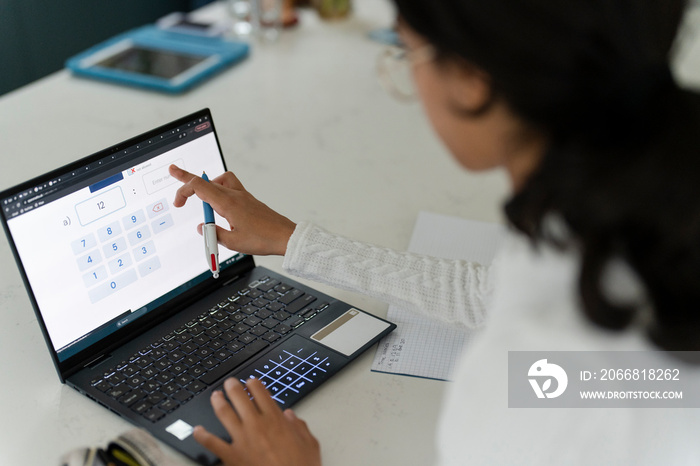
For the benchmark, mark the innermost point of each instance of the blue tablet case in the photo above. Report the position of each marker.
(227, 52)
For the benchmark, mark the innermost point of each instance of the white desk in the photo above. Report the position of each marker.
(307, 128)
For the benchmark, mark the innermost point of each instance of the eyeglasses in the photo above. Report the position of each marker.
(394, 67)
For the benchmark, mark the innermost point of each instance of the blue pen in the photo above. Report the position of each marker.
(211, 245)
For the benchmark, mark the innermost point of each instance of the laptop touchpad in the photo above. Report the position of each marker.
(350, 332)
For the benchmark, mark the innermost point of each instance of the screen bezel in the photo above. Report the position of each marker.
(72, 364)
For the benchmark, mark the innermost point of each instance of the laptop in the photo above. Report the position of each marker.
(130, 311)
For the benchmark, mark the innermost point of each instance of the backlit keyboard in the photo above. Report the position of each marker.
(167, 373)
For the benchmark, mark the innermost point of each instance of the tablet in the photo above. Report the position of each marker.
(161, 60)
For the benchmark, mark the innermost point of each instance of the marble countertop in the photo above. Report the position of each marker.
(307, 128)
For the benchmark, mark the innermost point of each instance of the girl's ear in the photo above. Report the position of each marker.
(469, 89)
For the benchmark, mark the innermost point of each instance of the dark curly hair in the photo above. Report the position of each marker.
(622, 167)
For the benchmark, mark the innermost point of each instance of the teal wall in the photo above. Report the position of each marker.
(37, 36)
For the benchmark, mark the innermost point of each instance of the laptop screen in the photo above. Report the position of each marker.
(102, 245)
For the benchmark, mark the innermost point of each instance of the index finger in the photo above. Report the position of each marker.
(264, 401)
(240, 399)
(193, 184)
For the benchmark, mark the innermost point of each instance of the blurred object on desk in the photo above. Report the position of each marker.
(260, 18)
(240, 12)
(333, 9)
(267, 19)
(157, 59)
(185, 24)
(289, 16)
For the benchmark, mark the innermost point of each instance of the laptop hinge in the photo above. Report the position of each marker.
(231, 280)
(96, 361)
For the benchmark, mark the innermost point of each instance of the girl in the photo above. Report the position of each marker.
(575, 100)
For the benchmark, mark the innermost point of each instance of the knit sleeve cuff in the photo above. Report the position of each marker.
(296, 245)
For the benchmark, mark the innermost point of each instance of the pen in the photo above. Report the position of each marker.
(211, 245)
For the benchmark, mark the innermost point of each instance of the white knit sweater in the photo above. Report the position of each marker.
(453, 291)
(532, 303)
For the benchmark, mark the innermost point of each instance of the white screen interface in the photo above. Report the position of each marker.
(107, 253)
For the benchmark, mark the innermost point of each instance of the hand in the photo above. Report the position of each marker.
(261, 433)
(255, 228)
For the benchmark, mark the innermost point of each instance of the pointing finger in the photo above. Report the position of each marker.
(185, 190)
(180, 174)
(262, 397)
(193, 184)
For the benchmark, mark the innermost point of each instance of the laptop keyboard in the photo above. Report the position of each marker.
(166, 374)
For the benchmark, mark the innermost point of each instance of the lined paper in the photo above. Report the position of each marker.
(424, 347)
